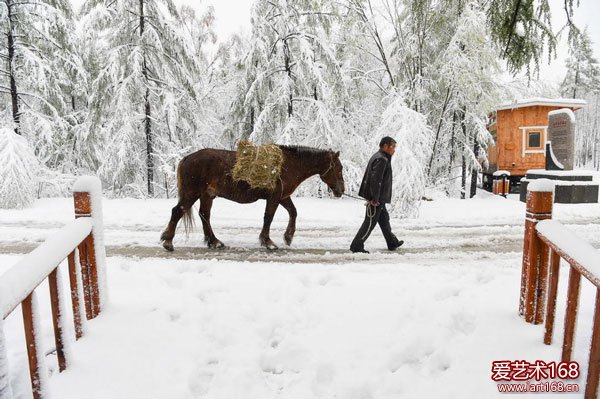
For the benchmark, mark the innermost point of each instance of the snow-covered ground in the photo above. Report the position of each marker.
(311, 321)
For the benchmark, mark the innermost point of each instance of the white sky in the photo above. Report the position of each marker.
(234, 15)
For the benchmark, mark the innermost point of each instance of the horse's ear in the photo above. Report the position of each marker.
(337, 154)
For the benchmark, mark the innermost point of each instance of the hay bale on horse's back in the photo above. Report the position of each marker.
(259, 166)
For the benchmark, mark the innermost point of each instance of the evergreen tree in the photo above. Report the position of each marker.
(144, 87)
(583, 70)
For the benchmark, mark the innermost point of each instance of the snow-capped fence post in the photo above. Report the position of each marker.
(540, 198)
(87, 194)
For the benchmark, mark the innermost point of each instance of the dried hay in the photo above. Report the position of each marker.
(259, 166)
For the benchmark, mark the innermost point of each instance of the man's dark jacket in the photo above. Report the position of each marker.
(377, 182)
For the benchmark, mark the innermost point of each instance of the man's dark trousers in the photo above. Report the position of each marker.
(374, 215)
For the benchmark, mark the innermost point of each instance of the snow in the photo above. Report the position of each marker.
(566, 182)
(501, 172)
(425, 322)
(93, 185)
(541, 101)
(564, 111)
(520, 29)
(18, 170)
(5, 388)
(541, 186)
(578, 172)
(578, 249)
(17, 282)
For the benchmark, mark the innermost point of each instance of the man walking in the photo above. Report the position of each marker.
(376, 188)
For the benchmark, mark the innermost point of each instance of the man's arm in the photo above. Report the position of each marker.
(377, 171)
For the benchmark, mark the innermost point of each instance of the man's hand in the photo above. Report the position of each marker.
(374, 203)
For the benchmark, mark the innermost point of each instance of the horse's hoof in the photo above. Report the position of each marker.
(168, 246)
(288, 239)
(271, 247)
(216, 245)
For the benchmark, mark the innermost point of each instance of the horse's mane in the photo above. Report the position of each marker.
(303, 150)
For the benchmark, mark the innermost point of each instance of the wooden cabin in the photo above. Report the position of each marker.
(519, 130)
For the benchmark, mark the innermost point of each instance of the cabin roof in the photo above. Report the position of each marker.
(544, 102)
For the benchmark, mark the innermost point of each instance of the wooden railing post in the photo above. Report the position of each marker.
(552, 291)
(73, 283)
(591, 387)
(571, 313)
(59, 334)
(5, 388)
(87, 256)
(30, 315)
(540, 197)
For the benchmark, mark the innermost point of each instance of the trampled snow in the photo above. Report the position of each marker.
(425, 322)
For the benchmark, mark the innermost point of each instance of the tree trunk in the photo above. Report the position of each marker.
(474, 171)
(437, 133)
(147, 112)
(288, 70)
(14, 94)
(463, 181)
(452, 144)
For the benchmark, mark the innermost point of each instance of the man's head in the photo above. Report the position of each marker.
(388, 145)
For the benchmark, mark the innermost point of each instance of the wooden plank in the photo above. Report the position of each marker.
(85, 279)
(56, 319)
(571, 314)
(32, 345)
(591, 386)
(552, 291)
(74, 295)
(540, 300)
(95, 294)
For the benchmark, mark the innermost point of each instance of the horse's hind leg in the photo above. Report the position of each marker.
(176, 214)
(209, 236)
(270, 209)
(291, 227)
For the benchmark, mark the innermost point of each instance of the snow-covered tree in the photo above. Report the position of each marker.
(18, 170)
(293, 85)
(33, 79)
(583, 69)
(414, 140)
(146, 85)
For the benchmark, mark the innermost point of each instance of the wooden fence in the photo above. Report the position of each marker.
(77, 243)
(546, 243)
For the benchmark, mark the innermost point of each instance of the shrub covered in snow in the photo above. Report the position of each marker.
(18, 170)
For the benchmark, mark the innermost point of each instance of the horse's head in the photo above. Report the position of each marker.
(332, 175)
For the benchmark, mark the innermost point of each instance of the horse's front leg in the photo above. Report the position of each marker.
(291, 227)
(270, 209)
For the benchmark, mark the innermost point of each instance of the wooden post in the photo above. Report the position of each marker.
(571, 313)
(542, 283)
(75, 295)
(591, 387)
(32, 345)
(56, 319)
(539, 207)
(552, 291)
(87, 255)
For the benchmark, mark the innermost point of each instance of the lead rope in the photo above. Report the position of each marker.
(370, 215)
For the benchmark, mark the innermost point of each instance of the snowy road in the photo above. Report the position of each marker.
(310, 321)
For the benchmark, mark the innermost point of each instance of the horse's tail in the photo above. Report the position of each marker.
(188, 219)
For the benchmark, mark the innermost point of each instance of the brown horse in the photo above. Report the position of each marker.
(206, 174)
